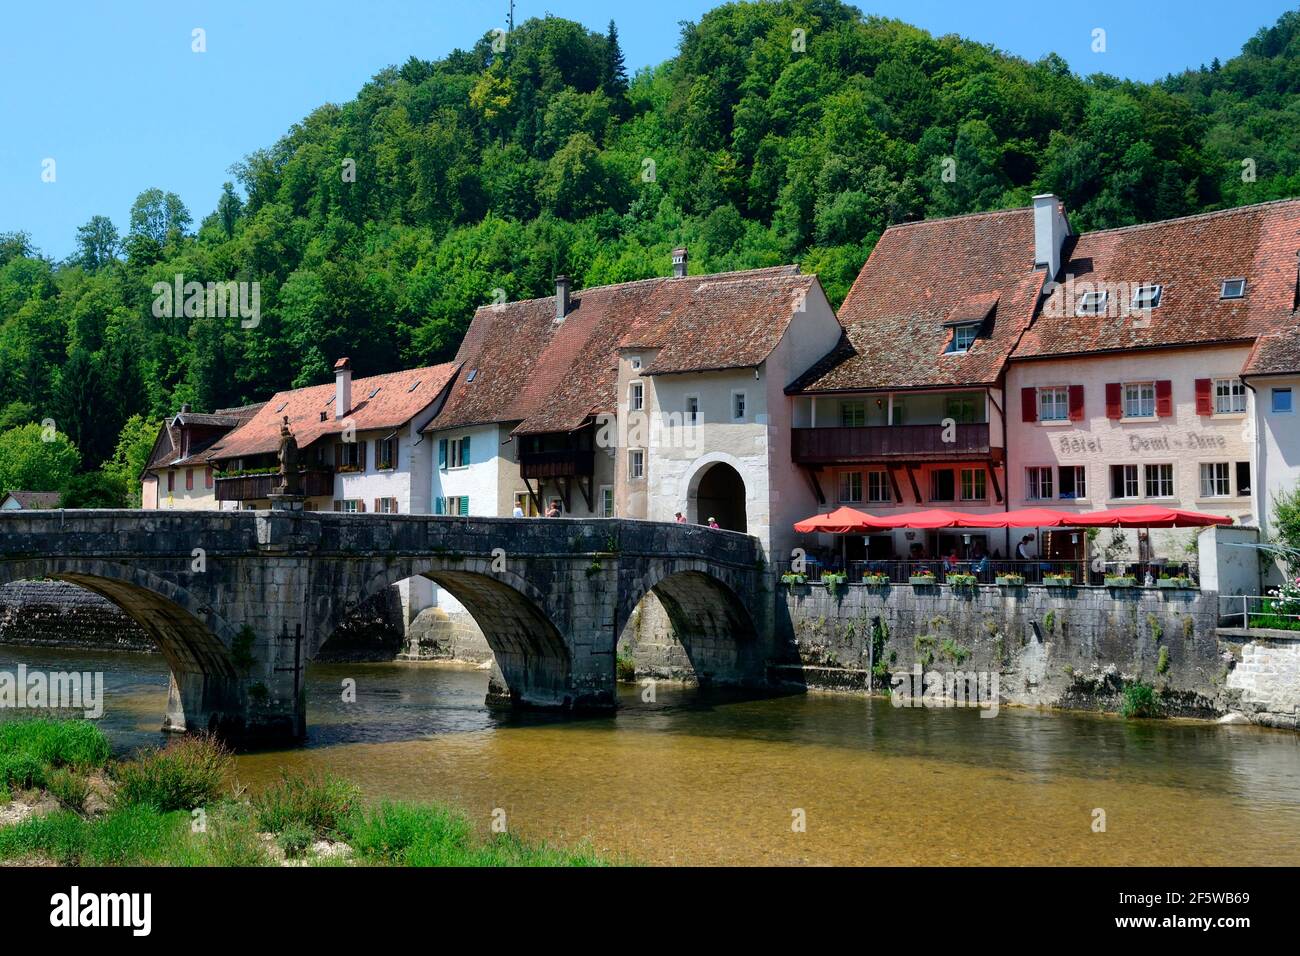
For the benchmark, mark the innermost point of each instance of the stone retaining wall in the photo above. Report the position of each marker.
(58, 614)
(1265, 683)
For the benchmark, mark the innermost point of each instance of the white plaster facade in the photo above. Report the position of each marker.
(1277, 443)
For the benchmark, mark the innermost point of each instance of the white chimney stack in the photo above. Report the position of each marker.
(1050, 232)
(342, 387)
(561, 297)
(679, 262)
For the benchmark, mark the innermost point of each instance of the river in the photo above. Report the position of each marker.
(718, 778)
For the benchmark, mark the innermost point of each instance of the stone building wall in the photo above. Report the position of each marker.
(58, 614)
(1265, 682)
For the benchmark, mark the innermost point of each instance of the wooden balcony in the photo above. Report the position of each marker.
(883, 443)
(568, 463)
(312, 483)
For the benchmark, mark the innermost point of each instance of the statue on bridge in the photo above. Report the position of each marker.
(288, 456)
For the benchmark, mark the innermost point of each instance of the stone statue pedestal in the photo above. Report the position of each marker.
(286, 502)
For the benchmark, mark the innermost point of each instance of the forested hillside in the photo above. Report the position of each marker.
(489, 170)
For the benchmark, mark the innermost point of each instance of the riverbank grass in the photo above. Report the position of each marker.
(176, 806)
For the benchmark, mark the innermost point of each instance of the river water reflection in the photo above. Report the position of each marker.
(715, 778)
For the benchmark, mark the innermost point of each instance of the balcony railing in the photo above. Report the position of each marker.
(313, 483)
(568, 463)
(824, 446)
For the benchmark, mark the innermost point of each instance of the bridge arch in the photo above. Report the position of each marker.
(206, 691)
(708, 618)
(532, 656)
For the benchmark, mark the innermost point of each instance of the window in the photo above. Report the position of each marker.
(851, 486)
(207, 477)
(942, 486)
(386, 452)
(458, 452)
(374, 391)
(1232, 289)
(1053, 404)
(473, 374)
(189, 479)
(1243, 479)
(524, 502)
(352, 506)
(1214, 480)
(878, 486)
(963, 337)
(171, 477)
(692, 410)
(636, 464)
(1146, 297)
(1281, 405)
(974, 484)
(1229, 396)
(635, 362)
(1038, 483)
(414, 385)
(898, 414)
(456, 505)
(1159, 481)
(347, 456)
(737, 406)
(1140, 400)
(607, 501)
(386, 506)
(1092, 303)
(853, 414)
(636, 396)
(961, 409)
(1073, 481)
(1124, 481)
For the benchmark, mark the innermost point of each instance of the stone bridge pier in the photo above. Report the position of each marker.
(240, 602)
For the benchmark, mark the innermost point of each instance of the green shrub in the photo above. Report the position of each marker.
(53, 743)
(626, 668)
(69, 788)
(318, 804)
(1140, 701)
(295, 839)
(403, 834)
(187, 773)
(18, 771)
(58, 836)
(1162, 662)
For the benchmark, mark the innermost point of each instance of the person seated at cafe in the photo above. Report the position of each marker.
(950, 560)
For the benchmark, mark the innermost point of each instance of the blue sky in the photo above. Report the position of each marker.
(114, 95)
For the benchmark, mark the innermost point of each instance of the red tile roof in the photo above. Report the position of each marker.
(551, 376)
(920, 277)
(1189, 258)
(1277, 353)
(397, 398)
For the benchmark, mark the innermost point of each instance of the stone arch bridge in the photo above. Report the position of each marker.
(239, 602)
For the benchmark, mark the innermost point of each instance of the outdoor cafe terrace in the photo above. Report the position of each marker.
(1081, 570)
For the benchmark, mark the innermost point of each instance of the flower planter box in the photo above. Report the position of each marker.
(1058, 581)
(923, 579)
(961, 581)
(875, 580)
(1174, 583)
(833, 582)
(1010, 580)
(1121, 582)
(791, 580)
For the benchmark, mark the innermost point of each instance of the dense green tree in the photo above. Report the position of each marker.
(97, 244)
(36, 458)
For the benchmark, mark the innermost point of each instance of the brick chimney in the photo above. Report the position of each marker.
(679, 262)
(1050, 232)
(561, 297)
(342, 387)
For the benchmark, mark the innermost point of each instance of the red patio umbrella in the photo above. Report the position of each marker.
(1148, 516)
(928, 520)
(840, 521)
(1021, 518)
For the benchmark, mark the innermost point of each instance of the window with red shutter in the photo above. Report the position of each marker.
(207, 477)
(1029, 404)
(378, 509)
(189, 479)
(1164, 398)
(1114, 400)
(1205, 396)
(1076, 403)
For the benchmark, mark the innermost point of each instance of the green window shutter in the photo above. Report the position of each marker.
(442, 454)
(464, 504)
(464, 451)
(437, 505)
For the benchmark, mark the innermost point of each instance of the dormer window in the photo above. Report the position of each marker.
(473, 374)
(1092, 303)
(414, 385)
(1233, 289)
(373, 392)
(1146, 297)
(963, 337)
